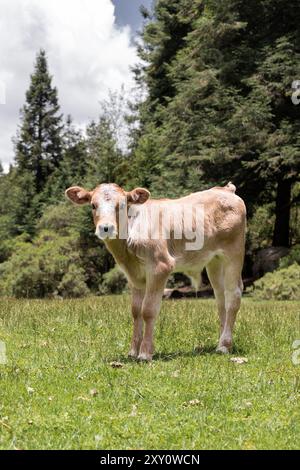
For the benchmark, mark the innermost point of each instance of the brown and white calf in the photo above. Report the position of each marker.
(147, 260)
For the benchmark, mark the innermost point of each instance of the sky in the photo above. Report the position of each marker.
(128, 12)
(90, 49)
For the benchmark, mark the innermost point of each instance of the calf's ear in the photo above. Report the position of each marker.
(138, 196)
(78, 195)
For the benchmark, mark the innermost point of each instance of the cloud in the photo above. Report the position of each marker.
(88, 55)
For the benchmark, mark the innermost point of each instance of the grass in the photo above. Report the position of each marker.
(59, 391)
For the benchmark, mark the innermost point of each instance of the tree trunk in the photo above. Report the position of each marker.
(281, 235)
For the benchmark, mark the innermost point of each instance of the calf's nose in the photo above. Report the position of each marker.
(106, 230)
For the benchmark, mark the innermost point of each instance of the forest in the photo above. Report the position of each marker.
(215, 100)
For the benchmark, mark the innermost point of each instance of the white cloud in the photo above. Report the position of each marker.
(88, 55)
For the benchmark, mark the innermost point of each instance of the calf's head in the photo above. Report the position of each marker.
(107, 200)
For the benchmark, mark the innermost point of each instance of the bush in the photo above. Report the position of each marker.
(66, 219)
(64, 258)
(114, 282)
(292, 257)
(282, 284)
(38, 269)
(61, 218)
(260, 228)
(73, 283)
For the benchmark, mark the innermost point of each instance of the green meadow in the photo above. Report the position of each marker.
(67, 382)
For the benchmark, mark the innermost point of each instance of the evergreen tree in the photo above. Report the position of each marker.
(163, 36)
(38, 143)
(103, 156)
(15, 194)
(73, 165)
(74, 162)
(229, 114)
(279, 161)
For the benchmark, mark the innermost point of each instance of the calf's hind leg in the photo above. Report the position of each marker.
(215, 272)
(233, 287)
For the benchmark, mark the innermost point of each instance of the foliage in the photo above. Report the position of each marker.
(219, 104)
(32, 194)
(260, 228)
(38, 144)
(282, 284)
(38, 269)
(103, 153)
(65, 245)
(114, 282)
(73, 283)
(212, 104)
(292, 257)
(72, 167)
(60, 218)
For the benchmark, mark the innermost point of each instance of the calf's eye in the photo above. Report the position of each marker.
(93, 207)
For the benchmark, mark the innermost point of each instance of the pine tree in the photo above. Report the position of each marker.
(279, 160)
(104, 157)
(38, 144)
(74, 162)
(261, 134)
(73, 165)
(163, 36)
(229, 114)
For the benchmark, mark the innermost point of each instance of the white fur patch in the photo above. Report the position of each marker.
(106, 200)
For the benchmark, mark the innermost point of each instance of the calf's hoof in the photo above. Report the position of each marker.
(144, 357)
(133, 354)
(222, 350)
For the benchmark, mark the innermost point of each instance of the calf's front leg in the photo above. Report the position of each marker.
(136, 310)
(150, 309)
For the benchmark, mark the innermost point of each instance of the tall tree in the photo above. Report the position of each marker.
(73, 165)
(38, 143)
(104, 157)
(163, 36)
(229, 114)
(279, 160)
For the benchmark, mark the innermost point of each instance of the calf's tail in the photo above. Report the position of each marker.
(230, 187)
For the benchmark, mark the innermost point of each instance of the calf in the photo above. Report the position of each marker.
(150, 238)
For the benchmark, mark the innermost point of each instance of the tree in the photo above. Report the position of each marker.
(38, 143)
(279, 160)
(163, 36)
(73, 165)
(228, 113)
(104, 157)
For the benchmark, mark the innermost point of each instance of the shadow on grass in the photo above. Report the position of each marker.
(199, 351)
(170, 356)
